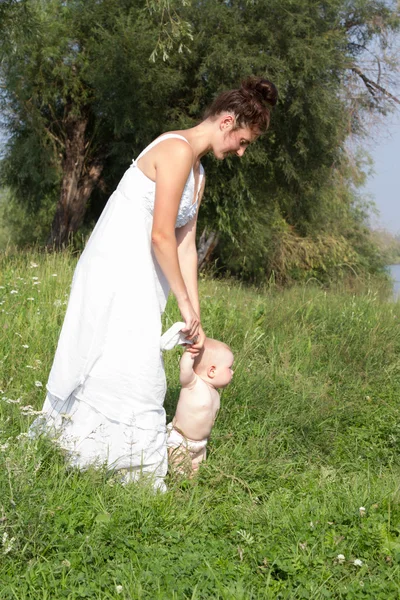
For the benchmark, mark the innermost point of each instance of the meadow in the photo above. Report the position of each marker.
(299, 497)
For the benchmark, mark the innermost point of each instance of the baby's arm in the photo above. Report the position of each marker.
(187, 375)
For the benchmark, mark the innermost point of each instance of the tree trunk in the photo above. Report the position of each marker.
(78, 182)
(207, 244)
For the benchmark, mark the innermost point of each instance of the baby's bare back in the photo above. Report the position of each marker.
(197, 408)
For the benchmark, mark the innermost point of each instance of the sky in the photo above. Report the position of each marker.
(384, 185)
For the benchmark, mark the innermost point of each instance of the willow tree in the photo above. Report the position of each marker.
(65, 99)
(297, 179)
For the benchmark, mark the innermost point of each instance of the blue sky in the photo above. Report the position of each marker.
(384, 185)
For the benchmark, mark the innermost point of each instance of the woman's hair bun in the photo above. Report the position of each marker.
(250, 104)
(262, 89)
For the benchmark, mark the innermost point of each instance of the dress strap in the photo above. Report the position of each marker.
(162, 137)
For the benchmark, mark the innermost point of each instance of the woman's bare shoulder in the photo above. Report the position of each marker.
(173, 147)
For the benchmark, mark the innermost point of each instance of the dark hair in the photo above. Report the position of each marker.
(250, 103)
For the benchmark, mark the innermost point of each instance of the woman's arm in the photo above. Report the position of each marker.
(187, 255)
(173, 162)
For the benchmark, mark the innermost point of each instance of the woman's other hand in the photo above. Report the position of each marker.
(197, 345)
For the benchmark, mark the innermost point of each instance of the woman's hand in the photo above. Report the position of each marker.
(192, 321)
(196, 347)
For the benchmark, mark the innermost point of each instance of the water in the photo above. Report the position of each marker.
(394, 271)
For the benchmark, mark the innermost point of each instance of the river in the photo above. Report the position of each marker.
(394, 271)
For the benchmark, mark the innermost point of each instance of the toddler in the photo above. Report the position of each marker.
(198, 404)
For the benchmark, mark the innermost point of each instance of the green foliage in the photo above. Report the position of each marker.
(299, 175)
(90, 60)
(5, 237)
(308, 434)
(175, 33)
(24, 227)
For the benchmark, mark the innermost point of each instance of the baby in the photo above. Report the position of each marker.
(198, 404)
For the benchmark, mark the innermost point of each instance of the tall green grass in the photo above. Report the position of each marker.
(308, 433)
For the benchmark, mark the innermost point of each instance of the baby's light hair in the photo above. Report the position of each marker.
(209, 354)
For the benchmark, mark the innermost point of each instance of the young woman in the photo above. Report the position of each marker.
(107, 385)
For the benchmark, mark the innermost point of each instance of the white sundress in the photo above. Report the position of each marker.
(107, 384)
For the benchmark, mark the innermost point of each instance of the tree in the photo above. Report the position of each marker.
(295, 176)
(60, 96)
(91, 85)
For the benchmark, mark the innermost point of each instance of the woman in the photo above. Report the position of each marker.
(107, 385)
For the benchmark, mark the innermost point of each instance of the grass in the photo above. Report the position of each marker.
(308, 433)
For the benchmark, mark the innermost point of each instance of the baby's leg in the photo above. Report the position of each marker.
(180, 460)
(197, 458)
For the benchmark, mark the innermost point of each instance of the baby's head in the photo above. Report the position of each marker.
(214, 363)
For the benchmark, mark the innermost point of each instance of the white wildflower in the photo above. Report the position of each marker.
(14, 292)
(29, 367)
(38, 384)
(9, 401)
(66, 563)
(311, 525)
(363, 511)
(303, 545)
(22, 435)
(36, 283)
(118, 589)
(7, 543)
(2, 287)
(66, 416)
(28, 411)
(246, 536)
(4, 447)
(57, 303)
(54, 274)
(35, 278)
(357, 562)
(31, 299)
(25, 346)
(34, 265)
(340, 558)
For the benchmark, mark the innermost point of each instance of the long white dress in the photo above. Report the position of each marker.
(107, 384)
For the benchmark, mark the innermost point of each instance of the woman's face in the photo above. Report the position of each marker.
(233, 142)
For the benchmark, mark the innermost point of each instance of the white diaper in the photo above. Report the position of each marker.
(176, 439)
